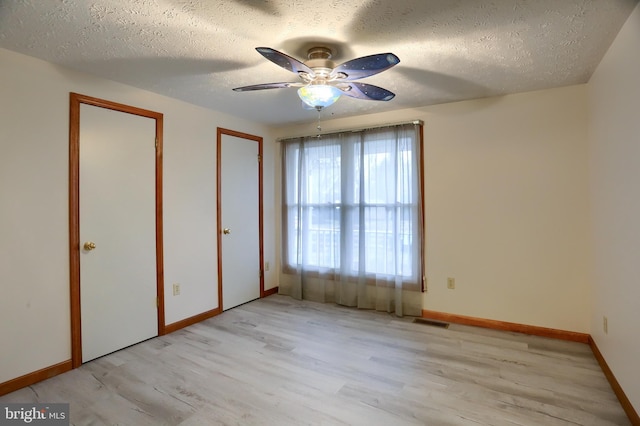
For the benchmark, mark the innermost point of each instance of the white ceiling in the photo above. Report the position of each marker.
(198, 50)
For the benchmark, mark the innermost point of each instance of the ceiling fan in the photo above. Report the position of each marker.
(323, 82)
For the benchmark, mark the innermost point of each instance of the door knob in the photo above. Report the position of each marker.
(89, 245)
(226, 231)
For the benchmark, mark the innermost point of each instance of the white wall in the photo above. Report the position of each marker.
(614, 130)
(506, 203)
(34, 260)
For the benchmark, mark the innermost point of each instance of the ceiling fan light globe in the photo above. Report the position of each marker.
(319, 95)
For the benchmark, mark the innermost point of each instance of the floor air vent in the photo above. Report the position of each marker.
(432, 323)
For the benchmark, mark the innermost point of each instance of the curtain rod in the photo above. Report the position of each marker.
(353, 129)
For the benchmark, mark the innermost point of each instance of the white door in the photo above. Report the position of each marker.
(117, 214)
(240, 219)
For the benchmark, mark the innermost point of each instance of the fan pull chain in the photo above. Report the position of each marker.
(319, 109)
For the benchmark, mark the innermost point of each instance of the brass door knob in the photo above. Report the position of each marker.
(89, 245)
(226, 231)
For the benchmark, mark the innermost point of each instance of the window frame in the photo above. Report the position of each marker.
(415, 281)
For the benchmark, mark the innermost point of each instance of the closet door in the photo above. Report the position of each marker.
(117, 250)
(240, 218)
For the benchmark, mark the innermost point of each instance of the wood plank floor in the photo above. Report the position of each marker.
(278, 361)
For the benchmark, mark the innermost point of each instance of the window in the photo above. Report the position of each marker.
(353, 204)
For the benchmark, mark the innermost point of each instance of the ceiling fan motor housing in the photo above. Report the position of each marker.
(319, 60)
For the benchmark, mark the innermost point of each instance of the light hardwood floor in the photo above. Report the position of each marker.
(278, 361)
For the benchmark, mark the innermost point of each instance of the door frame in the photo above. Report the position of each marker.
(75, 100)
(220, 132)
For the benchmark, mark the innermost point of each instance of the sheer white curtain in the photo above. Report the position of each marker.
(352, 219)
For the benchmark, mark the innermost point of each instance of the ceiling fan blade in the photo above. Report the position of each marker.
(364, 67)
(267, 86)
(366, 91)
(285, 61)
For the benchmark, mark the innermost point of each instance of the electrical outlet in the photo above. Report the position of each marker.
(176, 289)
(451, 283)
(605, 325)
(266, 266)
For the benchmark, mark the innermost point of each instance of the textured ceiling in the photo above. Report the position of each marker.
(198, 50)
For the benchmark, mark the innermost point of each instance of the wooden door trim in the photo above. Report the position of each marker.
(75, 100)
(222, 131)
